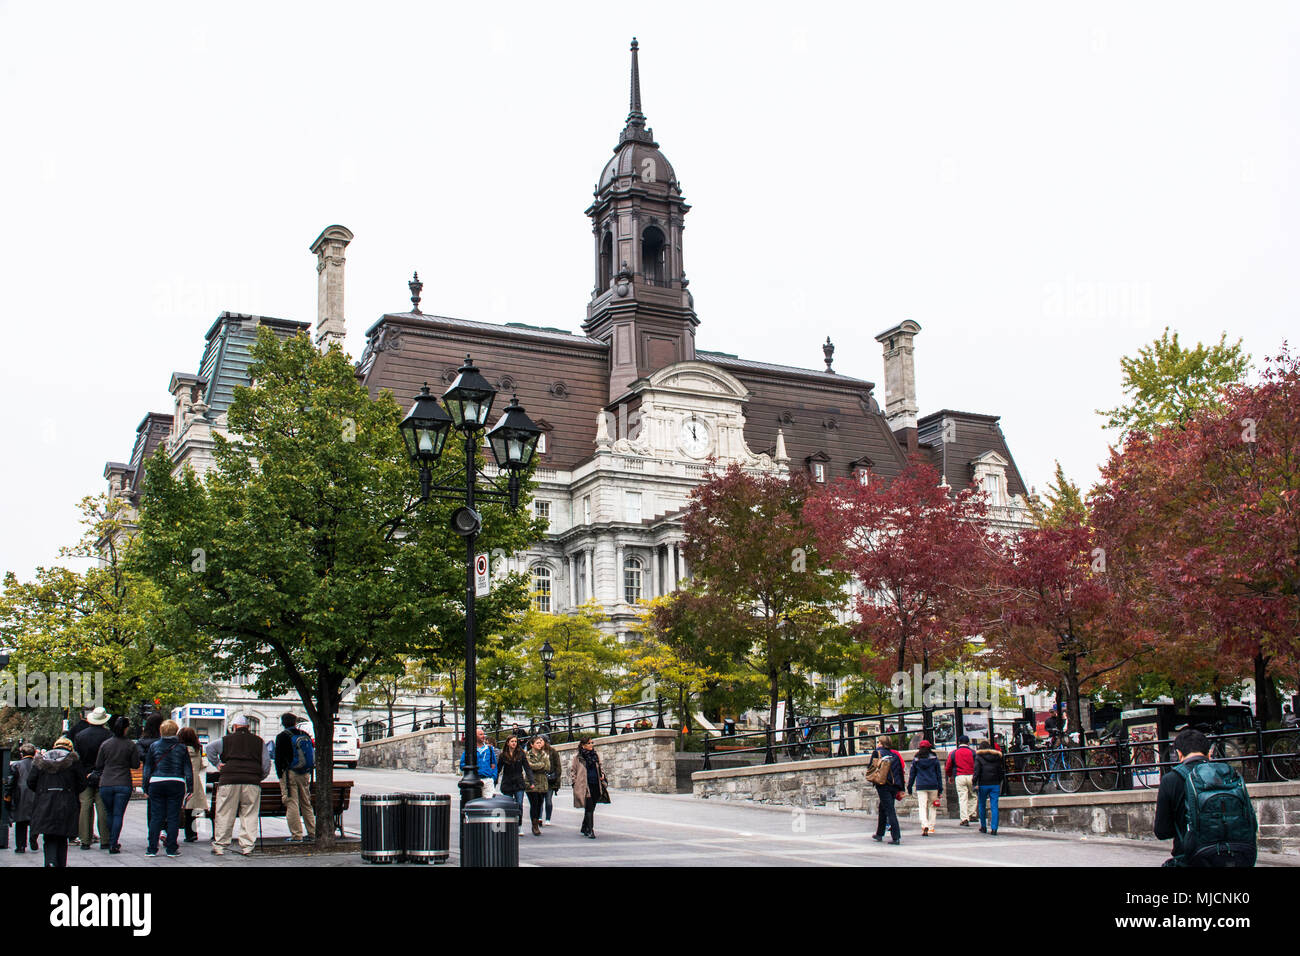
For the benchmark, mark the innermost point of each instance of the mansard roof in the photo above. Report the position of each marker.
(226, 353)
(973, 435)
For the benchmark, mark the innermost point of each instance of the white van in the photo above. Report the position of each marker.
(347, 745)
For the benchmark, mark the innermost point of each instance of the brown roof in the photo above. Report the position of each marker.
(973, 434)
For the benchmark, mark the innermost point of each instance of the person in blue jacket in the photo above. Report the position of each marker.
(887, 793)
(486, 757)
(926, 774)
(168, 782)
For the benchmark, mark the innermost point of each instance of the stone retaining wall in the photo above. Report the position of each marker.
(428, 751)
(1132, 814)
(644, 760)
(837, 782)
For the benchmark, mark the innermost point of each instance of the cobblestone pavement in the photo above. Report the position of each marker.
(639, 829)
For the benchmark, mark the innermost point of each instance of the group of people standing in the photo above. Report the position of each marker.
(533, 770)
(976, 773)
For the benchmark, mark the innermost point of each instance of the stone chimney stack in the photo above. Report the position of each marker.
(329, 247)
(900, 381)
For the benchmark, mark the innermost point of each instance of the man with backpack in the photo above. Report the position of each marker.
(295, 759)
(1205, 807)
(886, 771)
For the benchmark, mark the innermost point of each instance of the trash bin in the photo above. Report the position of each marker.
(427, 827)
(4, 807)
(728, 727)
(491, 832)
(381, 827)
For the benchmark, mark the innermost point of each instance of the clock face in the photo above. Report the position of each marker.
(694, 438)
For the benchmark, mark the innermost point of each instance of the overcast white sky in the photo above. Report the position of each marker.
(1042, 187)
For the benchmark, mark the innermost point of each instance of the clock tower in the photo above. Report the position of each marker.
(640, 305)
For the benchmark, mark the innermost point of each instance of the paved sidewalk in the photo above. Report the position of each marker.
(639, 829)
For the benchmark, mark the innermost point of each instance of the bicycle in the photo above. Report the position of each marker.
(1283, 756)
(1103, 768)
(1055, 765)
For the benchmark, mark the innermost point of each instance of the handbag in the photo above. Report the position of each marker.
(604, 791)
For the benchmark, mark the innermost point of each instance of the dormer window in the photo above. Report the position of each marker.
(817, 466)
(861, 470)
(990, 475)
(819, 472)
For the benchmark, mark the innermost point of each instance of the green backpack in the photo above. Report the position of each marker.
(1220, 818)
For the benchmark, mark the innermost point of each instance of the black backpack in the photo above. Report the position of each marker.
(1220, 818)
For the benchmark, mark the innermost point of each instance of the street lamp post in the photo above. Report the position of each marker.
(547, 655)
(513, 440)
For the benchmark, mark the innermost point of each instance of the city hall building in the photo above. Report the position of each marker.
(634, 413)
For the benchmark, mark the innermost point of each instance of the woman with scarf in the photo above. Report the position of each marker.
(589, 786)
(514, 772)
(57, 778)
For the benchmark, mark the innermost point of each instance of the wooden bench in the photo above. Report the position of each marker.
(272, 804)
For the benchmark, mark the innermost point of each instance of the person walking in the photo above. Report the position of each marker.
(57, 778)
(87, 743)
(960, 769)
(295, 759)
(196, 804)
(887, 793)
(589, 784)
(242, 764)
(538, 763)
(485, 756)
(168, 783)
(552, 777)
(927, 776)
(22, 800)
(514, 772)
(117, 757)
(989, 771)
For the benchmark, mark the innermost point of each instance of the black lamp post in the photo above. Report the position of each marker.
(547, 655)
(514, 441)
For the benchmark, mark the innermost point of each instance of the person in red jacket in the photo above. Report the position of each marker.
(961, 770)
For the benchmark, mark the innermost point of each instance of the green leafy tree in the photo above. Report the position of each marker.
(662, 666)
(1167, 383)
(1061, 503)
(302, 558)
(106, 619)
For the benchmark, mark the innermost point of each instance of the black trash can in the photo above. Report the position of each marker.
(491, 832)
(381, 827)
(427, 827)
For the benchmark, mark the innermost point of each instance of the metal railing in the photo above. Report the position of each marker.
(842, 735)
(603, 722)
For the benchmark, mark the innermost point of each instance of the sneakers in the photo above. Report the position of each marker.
(896, 842)
(993, 833)
(150, 852)
(173, 853)
(984, 829)
(115, 849)
(294, 839)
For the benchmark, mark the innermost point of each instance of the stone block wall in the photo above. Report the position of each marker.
(1132, 814)
(427, 751)
(643, 761)
(837, 783)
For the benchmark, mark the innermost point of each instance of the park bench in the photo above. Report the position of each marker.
(272, 804)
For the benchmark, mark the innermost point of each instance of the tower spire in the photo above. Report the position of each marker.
(635, 117)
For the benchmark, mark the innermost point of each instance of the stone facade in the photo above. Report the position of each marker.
(427, 751)
(1132, 814)
(837, 782)
(643, 761)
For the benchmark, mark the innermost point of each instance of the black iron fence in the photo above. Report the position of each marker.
(603, 722)
(408, 721)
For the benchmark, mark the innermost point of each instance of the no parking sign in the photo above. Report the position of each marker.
(482, 581)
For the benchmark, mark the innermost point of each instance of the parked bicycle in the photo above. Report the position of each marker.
(1054, 764)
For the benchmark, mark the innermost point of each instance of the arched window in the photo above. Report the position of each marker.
(606, 261)
(633, 570)
(542, 588)
(654, 256)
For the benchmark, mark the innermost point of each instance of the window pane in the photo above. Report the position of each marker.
(542, 588)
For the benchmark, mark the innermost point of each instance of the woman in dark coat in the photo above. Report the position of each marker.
(926, 775)
(23, 800)
(589, 784)
(57, 779)
(117, 757)
(989, 771)
(515, 775)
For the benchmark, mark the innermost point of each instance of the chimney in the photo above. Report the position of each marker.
(900, 381)
(329, 247)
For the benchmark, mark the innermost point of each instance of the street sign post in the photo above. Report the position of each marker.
(482, 580)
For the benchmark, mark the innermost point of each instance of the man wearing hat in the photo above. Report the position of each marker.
(239, 788)
(87, 743)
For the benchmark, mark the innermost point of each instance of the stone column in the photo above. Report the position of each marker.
(591, 575)
(573, 579)
(654, 571)
(329, 247)
(618, 575)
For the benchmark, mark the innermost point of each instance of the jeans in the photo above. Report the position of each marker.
(886, 813)
(518, 798)
(56, 851)
(550, 803)
(990, 794)
(535, 803)
(165, 799)
(115, 800)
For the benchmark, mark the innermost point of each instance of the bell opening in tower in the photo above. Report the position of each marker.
(606, 262)
(654, 256)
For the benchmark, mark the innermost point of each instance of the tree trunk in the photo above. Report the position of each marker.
(774, 694)
(1072, 689)
(1264, 693)
(324, 727)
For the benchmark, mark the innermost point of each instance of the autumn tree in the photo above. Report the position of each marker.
(1059, 621)
(1167, 383)
(1061, 503)
(763, 593)
(915, 551)
(1206, 520)
(303, 558)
